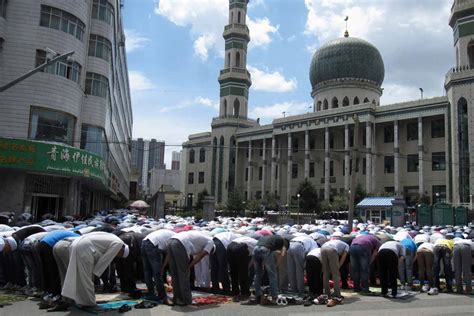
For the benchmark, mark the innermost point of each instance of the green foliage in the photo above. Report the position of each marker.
(254, 206)
(309, 202)
(199, 203)
(235, 203)
(360, 193)
(339, 203)
(325, 206)
(270, 201)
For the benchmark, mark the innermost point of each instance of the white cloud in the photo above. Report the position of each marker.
(206, 19)
(207, 102)
(394, 93)
(276, 110)
(139, 82)
(271, 81)
(134, 40)
(199, 101)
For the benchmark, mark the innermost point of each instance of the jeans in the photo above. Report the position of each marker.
(219, 268)
(152, 263)
(295, 265)
(462, 265)
(360, 264)
(442, 253)
(425, 266)
(263, 257)
(405, 270)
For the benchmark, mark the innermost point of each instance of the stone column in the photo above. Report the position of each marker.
(368, 157)
(326, 164)
(208, 208)
(396, 158)
(273, 167)
(306, 154)
(346, 157)
(374, 159)
(236, 165)
(250, 166)
(421, 184)
(447, 150)
(264, 166)
(289, 166)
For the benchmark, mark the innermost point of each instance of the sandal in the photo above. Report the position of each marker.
(124, 308)
(145, 305)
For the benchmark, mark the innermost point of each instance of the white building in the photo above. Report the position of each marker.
(414, 149)
(64, 132)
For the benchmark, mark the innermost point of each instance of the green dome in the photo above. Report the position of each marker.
(347, 57)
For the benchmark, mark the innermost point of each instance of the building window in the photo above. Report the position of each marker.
(412, 163)
(191, 178)
(351, 136)
(331, 140)
(312, 143)
(294, 171)
(344, 167)
(295, 145)
(246, 174)
(276, 172)
(356, 100)
(260, 152)
(388, 134)
(3, 8)
(69, 70)
(201, 177)
(439, 193)
(311, 169)
(93, 140)
(437, 128)
(260, 173)
(51, 125)
(364, 165)
(438, 161)
(331, 168)
(61, 20)
(202, 155)
(325, 104)
(335, 103)
(102, 10)
(258, 195)
(97, 85)
(389, 190)
(345, 101)
(100, 47)
(412, 131)
(192, 153)
(389, 164)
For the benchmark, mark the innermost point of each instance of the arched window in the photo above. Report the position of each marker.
(238, 17)
(202, 155)
(470, 53)
(228, 60)
(224, 112)
(325, 104)
(373, 102)
(236, 108)
(345, 102)
(318, 106)
(191, 156)
(463, 145)
(237, 60)
(356, 100)
(366, 100)
(335, 103)
(231, 17)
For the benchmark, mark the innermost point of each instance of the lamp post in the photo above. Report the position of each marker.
(243, 206)
(190, 202)
(298, 218)
(437, 197)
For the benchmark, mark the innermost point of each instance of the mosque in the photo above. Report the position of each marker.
(417, 149)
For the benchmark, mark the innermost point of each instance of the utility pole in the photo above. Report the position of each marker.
(355, 156)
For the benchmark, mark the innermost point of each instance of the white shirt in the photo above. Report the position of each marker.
(250, 242)
(403, 234)
(425, 246)
(308, 242)
(422, 238)
(394, 246)
(315, 253)
(194, 242)
(435, 236)
(337, 245)
(33, 238)
(226, 238)
(160, 238)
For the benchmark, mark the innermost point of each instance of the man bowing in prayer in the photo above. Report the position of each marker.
(91, 254)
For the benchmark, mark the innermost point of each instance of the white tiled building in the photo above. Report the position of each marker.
(80, 107)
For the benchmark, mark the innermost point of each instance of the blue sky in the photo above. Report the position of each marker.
(175, 52)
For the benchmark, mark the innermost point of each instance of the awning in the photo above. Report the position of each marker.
(376, 201)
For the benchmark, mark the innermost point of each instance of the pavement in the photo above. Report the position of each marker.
(421, 304)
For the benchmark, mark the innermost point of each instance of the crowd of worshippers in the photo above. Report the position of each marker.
(66, 262)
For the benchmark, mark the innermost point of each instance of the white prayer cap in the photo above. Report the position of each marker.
(126, 251)
(12, 242)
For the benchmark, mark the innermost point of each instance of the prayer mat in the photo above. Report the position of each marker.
(404, 295)
(211, 300)
(105, 298)
(118, 304)
(7, 299)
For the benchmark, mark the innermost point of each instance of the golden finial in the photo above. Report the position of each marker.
(346, 33)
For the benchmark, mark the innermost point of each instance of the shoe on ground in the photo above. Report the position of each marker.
(425, 288)
(331, 303)
(236, 299)
(60, 307)
(251, 301)
(433, 291)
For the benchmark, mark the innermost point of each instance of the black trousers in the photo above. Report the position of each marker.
(239, 259)
(219, 268)
(51, 281)
(388, 269)
(314, 275)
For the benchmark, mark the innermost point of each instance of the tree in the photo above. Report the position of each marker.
(234, 202)
(360, 194)
(339, 203)
(270, 201)
(254, 206)
(201, 196)
(309, 202)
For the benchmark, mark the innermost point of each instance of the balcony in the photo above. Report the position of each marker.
(237, 30)
(241, 121)
(239, 74)
(459, 73)
(237, 70)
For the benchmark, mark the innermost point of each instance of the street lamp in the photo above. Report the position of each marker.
(190, 201)
(437, 197)
(298, 219)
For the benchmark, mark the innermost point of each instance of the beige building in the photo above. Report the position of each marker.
(414, 149)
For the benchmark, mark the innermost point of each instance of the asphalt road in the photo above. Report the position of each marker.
(421, 304)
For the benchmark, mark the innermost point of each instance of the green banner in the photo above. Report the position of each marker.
(51, 158)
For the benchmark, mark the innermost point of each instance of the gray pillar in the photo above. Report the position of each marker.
(448, 158)
(264, 166)
(374, 159)
(368, 157)
(208, 205)
(236, 165)
(288, 176)
(250, 168)
(306, 154)
(396, 158)
(273, 167)
(346, 157)
(326, 164)
(421, 184)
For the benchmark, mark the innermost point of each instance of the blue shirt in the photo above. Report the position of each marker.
(409, 244)
(53, 237)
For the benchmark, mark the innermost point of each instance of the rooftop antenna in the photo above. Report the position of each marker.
(346, 33)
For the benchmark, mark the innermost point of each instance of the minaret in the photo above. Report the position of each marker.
(234, 79)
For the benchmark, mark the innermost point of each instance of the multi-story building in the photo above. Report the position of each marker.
(421, 148)
(147, 155)
(65, 131)
(175, 160)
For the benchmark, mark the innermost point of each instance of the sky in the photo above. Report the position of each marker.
(175, 50)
